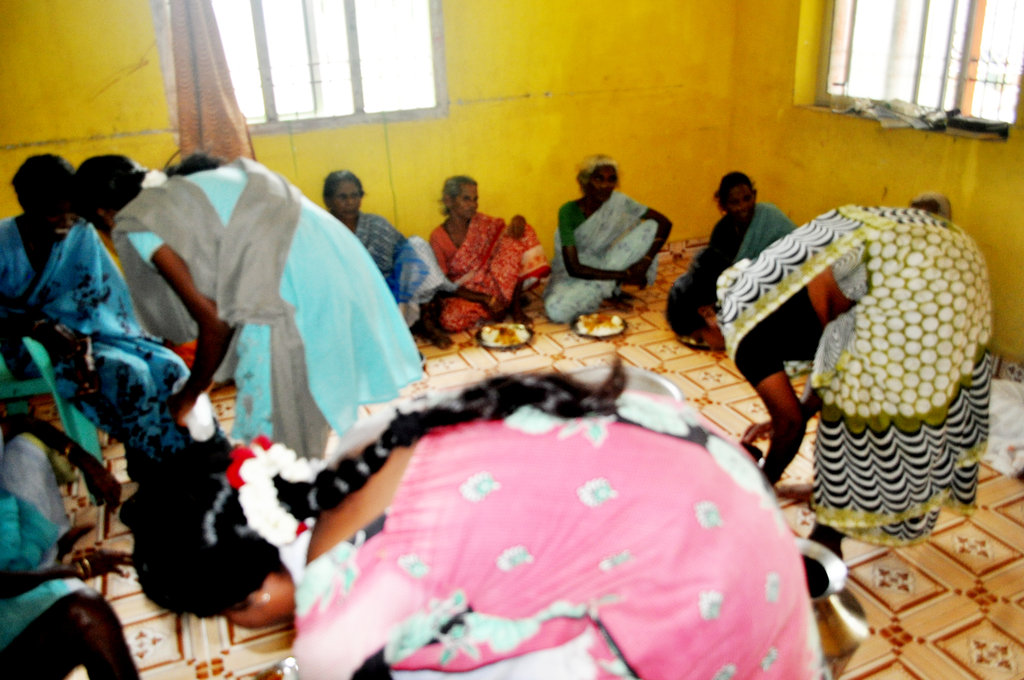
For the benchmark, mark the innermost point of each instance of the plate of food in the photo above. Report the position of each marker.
(598, 325)
(504, 335)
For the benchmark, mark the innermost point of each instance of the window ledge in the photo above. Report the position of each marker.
(999, 133)
(300, 125)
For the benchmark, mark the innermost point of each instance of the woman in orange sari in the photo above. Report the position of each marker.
(490, 263)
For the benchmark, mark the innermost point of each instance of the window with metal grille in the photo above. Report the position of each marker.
(294, 60)
(938, 54)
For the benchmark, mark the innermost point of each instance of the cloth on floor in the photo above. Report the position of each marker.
(1006, 437)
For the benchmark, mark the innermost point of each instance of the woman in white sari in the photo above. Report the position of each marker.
(604, 239)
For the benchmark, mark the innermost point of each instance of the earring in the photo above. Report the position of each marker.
(264, 597)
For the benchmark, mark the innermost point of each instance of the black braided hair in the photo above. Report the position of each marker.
(194, 551)
(193, 163)
(493, 399)
(189, 558)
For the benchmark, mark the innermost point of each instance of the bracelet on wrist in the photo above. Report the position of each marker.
(84, 568)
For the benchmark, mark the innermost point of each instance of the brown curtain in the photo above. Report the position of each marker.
(209, 119)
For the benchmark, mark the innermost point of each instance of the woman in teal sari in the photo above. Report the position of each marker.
(50, 620)
(279, 297)
(746, 228)
(604, 240)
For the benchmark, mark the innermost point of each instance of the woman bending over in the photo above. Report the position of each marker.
(893, 307)
(534, 527)
(238, 257)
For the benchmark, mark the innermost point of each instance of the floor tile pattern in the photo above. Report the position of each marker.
(950, 608)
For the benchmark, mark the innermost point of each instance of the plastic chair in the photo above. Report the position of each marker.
(76, 425)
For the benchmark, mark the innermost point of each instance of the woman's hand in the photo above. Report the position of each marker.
(214, 333)
(496, 306)
(64, 344)
(101, 482)
(60, 341)
(516, 227)
(755, 432)
(636, 273)
(180, 405)
(102, 562)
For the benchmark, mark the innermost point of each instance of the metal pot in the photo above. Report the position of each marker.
(842, 625)
(286, 669)
(638, 379)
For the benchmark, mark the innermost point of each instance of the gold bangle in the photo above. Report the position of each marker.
(85, 567)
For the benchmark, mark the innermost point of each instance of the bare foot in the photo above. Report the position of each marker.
(623, 301)
(431, 332)
(437, 336)
(519, 316)
(798, 492)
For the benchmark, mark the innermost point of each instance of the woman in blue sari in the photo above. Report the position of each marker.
(408, 264)
(50, 620)
(59, 285)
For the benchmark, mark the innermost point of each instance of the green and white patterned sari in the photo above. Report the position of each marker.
(904, 376)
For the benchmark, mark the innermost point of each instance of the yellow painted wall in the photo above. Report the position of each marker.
(812, 160)
(679, 92)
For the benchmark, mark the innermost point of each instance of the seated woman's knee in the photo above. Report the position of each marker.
(555, 312)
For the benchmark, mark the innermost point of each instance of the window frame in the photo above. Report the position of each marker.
(823, 98)
(161, 19)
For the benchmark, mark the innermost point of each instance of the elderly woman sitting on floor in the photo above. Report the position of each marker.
(604, 240)
(408, 264)
(490, 264)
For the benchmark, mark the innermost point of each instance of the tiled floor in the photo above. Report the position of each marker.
(951, 608)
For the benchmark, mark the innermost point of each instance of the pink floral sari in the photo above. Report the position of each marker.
(660, 554)
(490, 262)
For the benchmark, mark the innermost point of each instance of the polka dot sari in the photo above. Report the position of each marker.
(904, 375)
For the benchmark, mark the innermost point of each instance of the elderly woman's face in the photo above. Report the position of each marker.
(463, 206)
(345, 203)
(602, 183)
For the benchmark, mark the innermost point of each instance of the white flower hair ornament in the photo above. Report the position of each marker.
(154, 178)
(252, 473)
